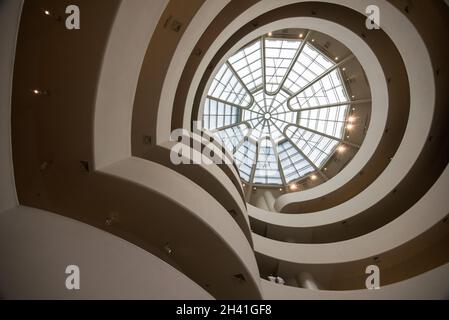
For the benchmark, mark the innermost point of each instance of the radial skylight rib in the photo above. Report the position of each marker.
(316, 147)
(218, 114)
(329, 121)
(276, 105)
(245, 157)
(248, 65)
(226, 86)
(267, 170)
(309, 66)
(251, 104)
(232, 137)
(328, 90)
(279, 55)
(292, 162)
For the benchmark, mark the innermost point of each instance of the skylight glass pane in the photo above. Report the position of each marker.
(292, 125)
(293, 163)
(233, 136)
(228, 88)
(315, 147)
(248, 65)
(310, 64)
(328, 90)
(245, 157)
(279, 55)
(217, 114)
(267, 170)
(329, 121)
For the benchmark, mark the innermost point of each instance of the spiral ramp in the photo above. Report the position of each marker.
(88, 173)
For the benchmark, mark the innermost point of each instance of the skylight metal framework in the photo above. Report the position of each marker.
(280, 106)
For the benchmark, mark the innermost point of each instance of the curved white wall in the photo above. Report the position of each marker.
(9, 24)
(36, 247)
(428, 211)
(429, 284)
(115, 94)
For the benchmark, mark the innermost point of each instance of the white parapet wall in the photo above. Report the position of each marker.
(37, 246)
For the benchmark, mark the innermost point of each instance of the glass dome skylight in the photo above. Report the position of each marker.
(279, 105)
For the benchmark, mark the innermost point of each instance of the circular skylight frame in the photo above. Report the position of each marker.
(280, 106)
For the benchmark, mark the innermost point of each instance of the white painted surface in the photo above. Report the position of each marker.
(10, 11)
(428, 211)
(36, 247)
(422, 104)
(378, 87)
(429, 284)
(130, 36)
(201, 206)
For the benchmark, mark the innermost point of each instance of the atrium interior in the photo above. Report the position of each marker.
(224, 149)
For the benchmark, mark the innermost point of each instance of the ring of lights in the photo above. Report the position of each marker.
(291, 11)
(373, 72)
(420, 119)
(417, 133)
(260, 248)
(137, 177)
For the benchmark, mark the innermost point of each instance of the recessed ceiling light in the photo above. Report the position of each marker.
(313, 177)
(168, 248)
(349, 126)
(35, 91)
(336, 58)
(280, 189)
(301, 35)
(46, 12)
(344, 69)
(351, 119)
(313, 40)
(341, 149)
(293, 187)
(270, 34)
(353, 97)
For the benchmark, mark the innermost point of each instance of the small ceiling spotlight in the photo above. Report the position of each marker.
(39, 92)
(313, 40)
(44, 165)
(280, 189)
(341, 149)
(111, 218)
(351, 119)
(325, 169)
(293, 187)
(270, 34)
(254, 188)
(243, 185)
(353, 97)
(344, 69)
(301, 35)
(350, 126)
(168, 249)
(336, 58)
(353, 109)
(313, 177)
(47, 13)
